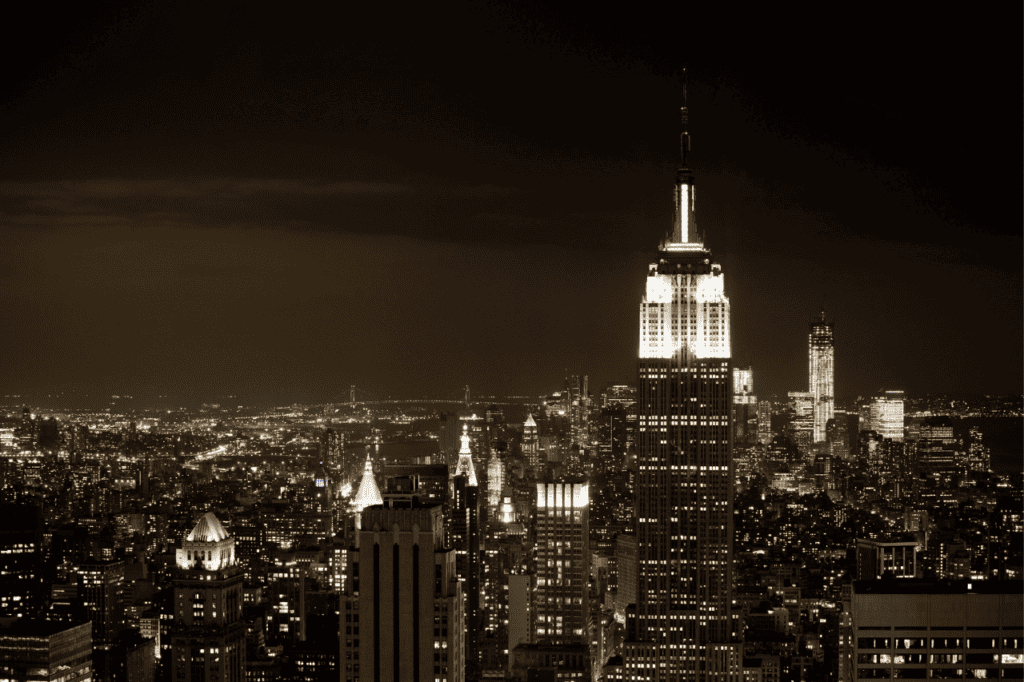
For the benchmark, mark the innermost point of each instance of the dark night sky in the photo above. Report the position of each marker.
(278, 201)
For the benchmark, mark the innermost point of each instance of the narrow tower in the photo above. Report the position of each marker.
(821, 359)
(208, 631)
(683, 628)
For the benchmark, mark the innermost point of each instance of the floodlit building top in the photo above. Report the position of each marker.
(465, 465)
(209, 529)
(368, 493)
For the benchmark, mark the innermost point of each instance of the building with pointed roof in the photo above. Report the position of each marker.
(208, 632)
(368, 493)
(531, 442)
(465, 465)
(683, 627)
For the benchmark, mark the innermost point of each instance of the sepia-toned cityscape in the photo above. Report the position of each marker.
(273, 495)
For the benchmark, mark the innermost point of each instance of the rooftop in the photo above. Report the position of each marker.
(209, 529)
(922, 586)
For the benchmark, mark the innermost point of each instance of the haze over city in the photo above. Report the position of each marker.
(307, 205)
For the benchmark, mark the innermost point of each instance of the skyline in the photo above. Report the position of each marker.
(349, 215)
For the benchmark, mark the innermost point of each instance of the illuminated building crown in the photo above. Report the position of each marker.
(207, 547)
(684, 311)
(465, 465)
(368, 493)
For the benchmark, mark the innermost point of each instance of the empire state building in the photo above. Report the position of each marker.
(683, 626)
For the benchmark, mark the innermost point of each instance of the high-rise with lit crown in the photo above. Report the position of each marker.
(683, 627)
(822, 372)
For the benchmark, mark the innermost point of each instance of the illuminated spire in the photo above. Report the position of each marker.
(530, 423)
(368, 493)
(684, 137)
(684, 232)
(465, 465)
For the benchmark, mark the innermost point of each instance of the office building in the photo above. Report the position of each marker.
(495, 483)
(683, 627)
(38, 650)
(744, 406)
(887, 558)
(563, 563)
(935, 630)
(21, 560)
(938, 451)
(887, 415)
(402, 614)
(764, 422)
(464, 536)
(625, 579)
(101, 588)
(531, 443)
(802, 405)
(208, 632)
(822, 372)
(577, 409)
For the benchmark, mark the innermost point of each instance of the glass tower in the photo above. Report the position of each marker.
(683, 627)
(822, 371)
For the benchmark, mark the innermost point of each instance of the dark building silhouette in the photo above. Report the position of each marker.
(402, 610)
(21, 570)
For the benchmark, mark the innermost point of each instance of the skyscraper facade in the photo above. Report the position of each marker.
(802, 404)
(744, 406)
(887, 415)
(563, 563)
(822, 372)
(403, 607)
(683, 628)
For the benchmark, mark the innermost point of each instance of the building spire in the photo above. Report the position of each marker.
(368, 493)
(684, 137)
(465, 465)
(684, 236)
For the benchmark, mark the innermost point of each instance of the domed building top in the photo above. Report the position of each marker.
(208, 547)
(209, 529)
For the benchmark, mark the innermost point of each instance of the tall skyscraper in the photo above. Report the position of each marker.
(464, 534)
(208, 635)
(531, 442)
(563, 563)
(822, 371)
(403, 614)
(684, 626)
